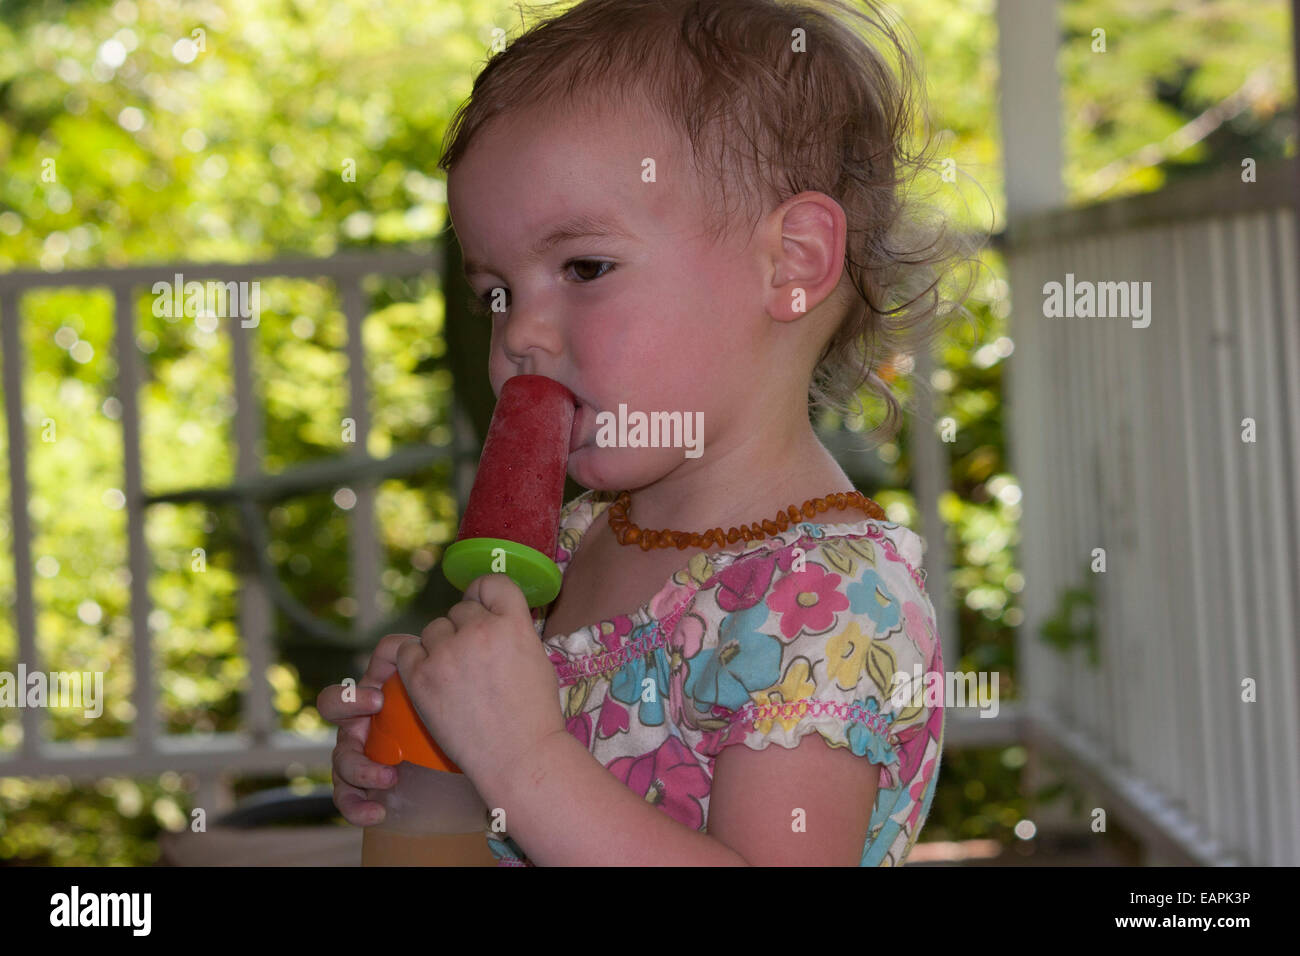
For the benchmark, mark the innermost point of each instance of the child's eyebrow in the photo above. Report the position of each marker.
(583, 226)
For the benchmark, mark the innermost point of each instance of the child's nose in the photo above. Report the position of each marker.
(530, 329)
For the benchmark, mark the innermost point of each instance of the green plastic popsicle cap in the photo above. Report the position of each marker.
(537, 575)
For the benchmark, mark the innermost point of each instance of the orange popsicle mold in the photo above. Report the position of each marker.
(397, 733)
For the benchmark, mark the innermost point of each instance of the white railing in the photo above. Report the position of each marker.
(1131, 440)
(259, 747)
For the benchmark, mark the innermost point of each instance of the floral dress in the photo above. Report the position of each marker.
(802, 632)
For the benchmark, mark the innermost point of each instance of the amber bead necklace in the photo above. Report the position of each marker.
(628, 533)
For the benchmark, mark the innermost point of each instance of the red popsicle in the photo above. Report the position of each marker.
(512, 518)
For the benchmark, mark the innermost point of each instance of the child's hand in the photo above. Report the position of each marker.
(482, 682)
(354, 772)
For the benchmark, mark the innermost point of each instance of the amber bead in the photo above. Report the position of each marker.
(628, 533)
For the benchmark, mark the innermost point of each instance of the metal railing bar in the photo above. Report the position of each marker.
(19, 492)
(363, 533)
(127, 384)
(310, 476)
(117, 756)
(344, 265)
(256, 619)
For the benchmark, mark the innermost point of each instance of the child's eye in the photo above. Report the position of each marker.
(482, 305)
(592, 262)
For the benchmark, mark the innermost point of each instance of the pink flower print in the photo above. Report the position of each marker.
(712, 742)
(807, 600)
(611, 632)
(917, 625)
(665, 602)
(785, 557)
(910, 747)
(917, 792)
(688, 635)
(613, 718)
(670, 778)
(744, 583)
(580, 728)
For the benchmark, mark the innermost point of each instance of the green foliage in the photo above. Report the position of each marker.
(1074, 623)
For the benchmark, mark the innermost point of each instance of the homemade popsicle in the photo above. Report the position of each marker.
(512, 518)
(434, 816)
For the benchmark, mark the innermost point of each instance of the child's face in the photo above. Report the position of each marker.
(659, 319)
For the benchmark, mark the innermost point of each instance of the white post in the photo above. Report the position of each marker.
(1033, 157)
(256, 614)
(1029, 91)
(930, 479)
(144, 696)
(363, 539)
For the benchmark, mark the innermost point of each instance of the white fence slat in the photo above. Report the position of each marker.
(256, 619)
(1270, 585)
(30, 718)
(1172, 502)
(1229, 389)
(1261, 629)
(363, 531)
(1287, 570)
(1202, 801)
(144, 695)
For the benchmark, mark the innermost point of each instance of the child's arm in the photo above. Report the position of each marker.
(756, 795)
(565, 809)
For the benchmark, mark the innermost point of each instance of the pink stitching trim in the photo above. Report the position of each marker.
(591, 664)
(752, 713)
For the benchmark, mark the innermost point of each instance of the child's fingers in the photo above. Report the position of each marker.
(356, 809)
(355, 769)
(368, 698)
(334, 708)
(383, 662)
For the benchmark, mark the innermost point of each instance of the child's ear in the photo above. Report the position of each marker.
(807, 254)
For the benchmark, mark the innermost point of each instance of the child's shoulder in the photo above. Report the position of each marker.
(830, 557)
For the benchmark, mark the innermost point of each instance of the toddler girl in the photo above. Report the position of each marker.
(690, 206)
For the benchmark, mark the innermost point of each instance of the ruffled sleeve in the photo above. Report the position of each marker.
(831, 635)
